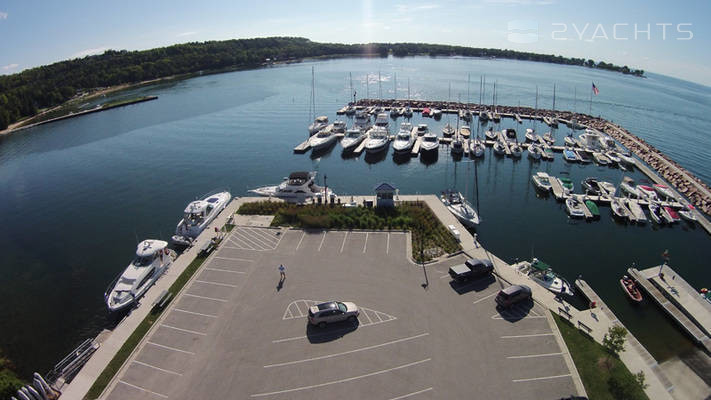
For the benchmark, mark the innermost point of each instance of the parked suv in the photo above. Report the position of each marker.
(512, 295)
(332, 311)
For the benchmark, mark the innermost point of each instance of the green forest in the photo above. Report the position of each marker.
(24, 93)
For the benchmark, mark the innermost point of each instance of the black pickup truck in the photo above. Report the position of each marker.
(472, 269)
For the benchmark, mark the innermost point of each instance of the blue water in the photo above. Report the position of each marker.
(76, 195)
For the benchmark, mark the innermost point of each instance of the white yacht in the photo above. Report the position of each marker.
(298, 187)
(339, 126)
(198, 215)
(448, 130)
(382, 121)
(404, 140)
(532, 136)
(543, 274)
(476, 148)
(362, 121)
(318, 124)
(429, 143)
(535, 152)
(619, 209)
(323, 139)
(352, 138)
(378, 140)
(422, 130)
(542, 181)
(460, 208)
(152, 259)
(574, 207)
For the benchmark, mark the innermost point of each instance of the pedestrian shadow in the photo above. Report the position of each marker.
(280, 285)
(517, 312)
(475, 285)
(330, 332)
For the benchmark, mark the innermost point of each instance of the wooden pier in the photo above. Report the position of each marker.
(586, 210)
(557, 189)
(677, 308)
(362, 145)
(416, 146)
(303, 147)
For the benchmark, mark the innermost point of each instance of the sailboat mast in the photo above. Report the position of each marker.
(536, 107)
(395, 85)
(575, 99)
(554, 97)
(312, 106)
(350, 76)
(469, 78)
(380, 88)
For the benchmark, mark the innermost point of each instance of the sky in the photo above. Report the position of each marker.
(670, 38)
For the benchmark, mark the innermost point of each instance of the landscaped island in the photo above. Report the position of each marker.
(24, 94)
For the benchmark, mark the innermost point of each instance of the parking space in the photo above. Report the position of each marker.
(238, 331)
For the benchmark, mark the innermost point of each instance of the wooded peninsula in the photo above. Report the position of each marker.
(24, 94)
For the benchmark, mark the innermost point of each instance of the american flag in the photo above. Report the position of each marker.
(594, 89)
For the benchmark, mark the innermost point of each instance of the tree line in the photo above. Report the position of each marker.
(24, 93)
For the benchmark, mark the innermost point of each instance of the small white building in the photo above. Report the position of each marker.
(385, 195)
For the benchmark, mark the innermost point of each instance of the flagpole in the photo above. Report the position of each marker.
(591, 93)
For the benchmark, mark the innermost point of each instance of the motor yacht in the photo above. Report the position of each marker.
(318, 124)
(429, 143)
(422, 129)
(382, 121)
(404, 140)
(152, 259)
(362, 121)
(198, 215)
(352, 139)
(339, 126)
(378, 140)
(619, 210)
(296, 188)
(543, 274)
(323, 139)
(460, 208)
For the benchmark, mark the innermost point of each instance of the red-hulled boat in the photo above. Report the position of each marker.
(673, 214)
(631, 289)
(426, 112)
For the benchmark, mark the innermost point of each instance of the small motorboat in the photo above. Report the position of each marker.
(656, 213)
(544, 275)
(590, 186)
(570, 155)
(499, 148)
(631, 289)
(426, 112)
(516, 150)
(606, 188)
(490, 134)
(548, 138)
(570, 140)
(613, 157)
(460, 208)
(532, 136)
(592, 207)
(542, 181)
(510, 133)
(465, 131)
(436, 113)
(673, 215)
(688, 213)
(583, 156)
(628, 187)
(535, 152)
(574, 207)
(476, 148)
(619, 210)
(601, 158)
(647, 192)
(448, 130)
(429, 143)
(567, 184)
(664, 190)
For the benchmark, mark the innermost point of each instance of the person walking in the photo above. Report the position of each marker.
(282, 271)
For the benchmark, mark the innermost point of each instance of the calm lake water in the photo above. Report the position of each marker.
(76, 195)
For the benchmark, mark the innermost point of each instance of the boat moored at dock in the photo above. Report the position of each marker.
(542, 181)
(198, 215)
(543, 274)
(460, 208)
(318, 124)
(378, 140)
(297, 188)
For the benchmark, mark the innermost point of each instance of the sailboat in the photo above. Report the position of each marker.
(448, 130)
(459, 206)
(320, 122)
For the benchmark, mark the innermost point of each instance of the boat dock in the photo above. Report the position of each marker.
(586, 210)
(362, 144)
(303, 147)
(557, 189)
(416, 146)
(679, 301)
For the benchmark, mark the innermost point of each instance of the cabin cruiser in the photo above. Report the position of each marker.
(535, 152)
(362, 121)
(422, 129)
(152, 259)
(339, 126)
(448, 130)
(323, 139)
(619, 210)
(465, 131)
(543, 274)
(429, 143)
(318, 124)
(382, 121)
(298, 187)
(542, 181)
(378, 140)
(457, 145)
(198, 215)
(460, 208)
(352, 139)
(574, 207)
(532, 136)
(404, 140)
(490, 134)
(476, 148)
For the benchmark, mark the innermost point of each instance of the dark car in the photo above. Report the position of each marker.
(512, 295)
(472, 269)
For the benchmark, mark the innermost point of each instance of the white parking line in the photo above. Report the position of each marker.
(205, 297)
(232, 258)
(387, 248)
(271, 240)
(342, 380)
(242, 245)
(542, 378)
(224, 270)
(183, 330)
(344, 242)
(142, 389)
(485, 297)
(296, 304)
(216, 283)
(536, 355)
(444, 276)
(302, 238)
(365, 245)
(377, 315)
(370, 321)
(404, 396)
(525, 336)
(252, 241)
(347, 352)
(322, 239)
(167, 371)
(266, 241)
(194, 313)
(281, 236)
(170, 348)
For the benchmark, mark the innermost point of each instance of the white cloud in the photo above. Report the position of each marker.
(520, 2)
(3, 15)
(89, 52)
(407, 8)
(189, 33)
(10, 66)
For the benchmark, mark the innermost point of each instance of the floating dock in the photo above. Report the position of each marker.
(303, 147)
(679, 300)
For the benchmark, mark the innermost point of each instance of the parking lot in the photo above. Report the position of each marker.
(237, 332)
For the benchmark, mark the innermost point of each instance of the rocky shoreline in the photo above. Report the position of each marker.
(686, 183)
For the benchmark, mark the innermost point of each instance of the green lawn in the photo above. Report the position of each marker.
(604, 376)
(429, 237)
